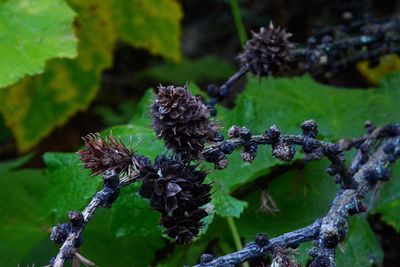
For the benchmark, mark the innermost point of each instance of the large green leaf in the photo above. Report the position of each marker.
(22, 227)
(105, 249)
(361, 247)
(301, 195)
(226, 205)
(34, 106)
(150, 24)
(131, 216)
(32, 32)
(71, 188)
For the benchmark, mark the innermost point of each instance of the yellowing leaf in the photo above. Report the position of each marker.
(34, 106)
(387, 64)
(32, 32)
(150, 24)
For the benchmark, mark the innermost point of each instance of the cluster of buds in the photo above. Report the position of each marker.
(177, 191)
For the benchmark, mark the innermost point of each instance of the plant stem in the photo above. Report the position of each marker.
(236, 237)
(238, 21)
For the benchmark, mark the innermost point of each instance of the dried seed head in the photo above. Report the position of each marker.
(249, 152)
(273, 133)
(59, 233)
(182, 121)
(177, 191)
(267, 53)
(310, 128)
(102, 154)
(283, 151)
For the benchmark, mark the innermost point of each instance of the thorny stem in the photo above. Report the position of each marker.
(236, 236)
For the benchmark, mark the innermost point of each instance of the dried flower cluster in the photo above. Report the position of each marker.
(267, 53)
(177, 191)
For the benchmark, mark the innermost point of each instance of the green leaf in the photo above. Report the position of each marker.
(22, 227)
(301, 195)
(35, 106)
(71, 188)
(102, 247)
(209, 68)
(32, 32)
(227, 206)
(131, 216)
(361, 247)
(150, 24)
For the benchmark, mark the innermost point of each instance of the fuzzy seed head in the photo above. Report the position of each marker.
(267, 53)
(283, 151)
(182, 121)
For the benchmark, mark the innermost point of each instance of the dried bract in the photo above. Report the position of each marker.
(102, 154)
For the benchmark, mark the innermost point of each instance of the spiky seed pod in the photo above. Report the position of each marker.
(177, 191)
(182, 121)
(102, 154)
(267, 53)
